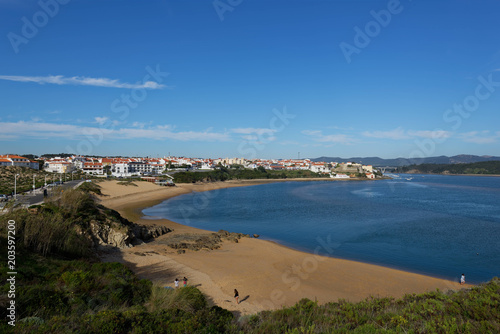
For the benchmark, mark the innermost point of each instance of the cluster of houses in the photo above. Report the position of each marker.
(138, 166)
(16, 160)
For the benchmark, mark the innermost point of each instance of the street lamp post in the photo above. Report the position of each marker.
(34, 184)
(15, 186)
(45, 180)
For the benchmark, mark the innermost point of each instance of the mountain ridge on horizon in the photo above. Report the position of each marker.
(399, 162)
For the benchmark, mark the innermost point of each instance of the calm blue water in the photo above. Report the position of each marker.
(431, 224)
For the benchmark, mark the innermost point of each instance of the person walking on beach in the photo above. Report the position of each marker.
(462, 279)
(236, 296)
(176, 283)
(185, 281)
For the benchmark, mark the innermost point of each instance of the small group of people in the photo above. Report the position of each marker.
(184, 282)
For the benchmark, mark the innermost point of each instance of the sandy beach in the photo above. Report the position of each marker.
(267, 275)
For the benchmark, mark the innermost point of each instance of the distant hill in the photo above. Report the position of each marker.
(482, 167)
(399, 162)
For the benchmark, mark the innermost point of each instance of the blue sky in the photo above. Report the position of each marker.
(255, 79)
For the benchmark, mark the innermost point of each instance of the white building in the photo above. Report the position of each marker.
(206, 165)
(59, 166)
(319, 168)
(120, 169)
(16, 160)
(93, 168)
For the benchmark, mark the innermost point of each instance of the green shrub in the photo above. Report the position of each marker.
(188, 299)
(48, 232)
(90, 187)
(127, 183)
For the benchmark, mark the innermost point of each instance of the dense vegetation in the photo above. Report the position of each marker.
(61, 287)
(484, 167)
(58, 155)
(223, 174)
(91, 188)
(467, 311)
(61, 225)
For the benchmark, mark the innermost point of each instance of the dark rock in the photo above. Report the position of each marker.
(223, 233)
(256, 235)
(149, 232)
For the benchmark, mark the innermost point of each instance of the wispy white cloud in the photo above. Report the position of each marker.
(318, 136)
(434, 134)
(395, 134)
(334, 127)
(257, 131)
(101, 120)
(160, 134)
(250, 137)
(312, 132)
(400, 134)
(259, 136)
(480, 137)
(289, 142)
(22, 129)
(139, 125)
(82, 81)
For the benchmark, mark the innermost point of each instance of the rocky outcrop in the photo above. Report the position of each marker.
(146, 233)
(196, 242)
(106, 235)
(122, 236)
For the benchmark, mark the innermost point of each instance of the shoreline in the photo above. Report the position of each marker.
(482, 175)
(273, 274)
(134, 211)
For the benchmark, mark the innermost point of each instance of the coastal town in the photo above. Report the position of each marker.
(250, 167)
(148, 166)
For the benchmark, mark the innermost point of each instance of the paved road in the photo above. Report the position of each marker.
(31, 199)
